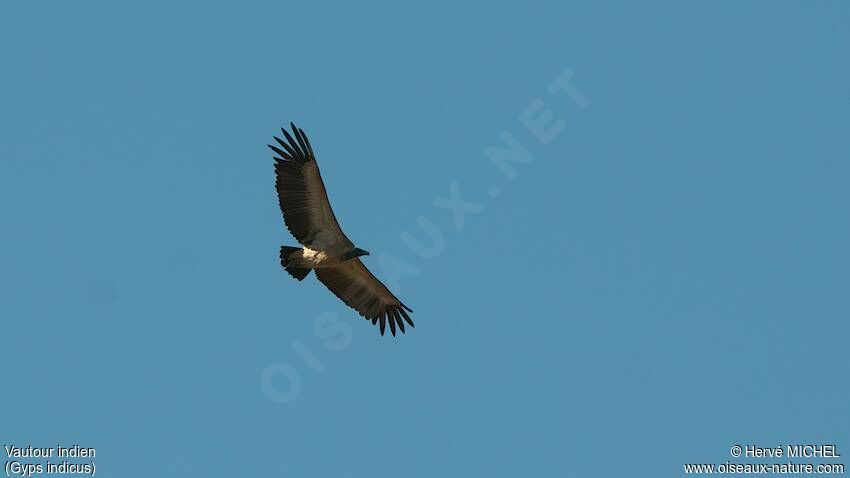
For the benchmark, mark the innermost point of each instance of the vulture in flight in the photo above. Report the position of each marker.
(308, 216)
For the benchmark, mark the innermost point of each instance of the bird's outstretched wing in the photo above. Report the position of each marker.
(300, 190)
(352, 282)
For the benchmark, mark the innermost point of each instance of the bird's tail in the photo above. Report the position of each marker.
(285, 254)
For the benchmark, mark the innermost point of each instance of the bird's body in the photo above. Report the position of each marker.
(323, 256)
(326, 249)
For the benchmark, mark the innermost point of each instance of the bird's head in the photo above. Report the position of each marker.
(356, 252)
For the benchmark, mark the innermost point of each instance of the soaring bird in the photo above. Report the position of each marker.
(308, 215)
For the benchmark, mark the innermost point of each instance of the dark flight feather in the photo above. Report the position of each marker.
(359, 289)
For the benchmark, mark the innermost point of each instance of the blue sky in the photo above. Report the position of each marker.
(666, 278)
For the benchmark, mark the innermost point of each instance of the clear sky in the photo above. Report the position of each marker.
(666, 277)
